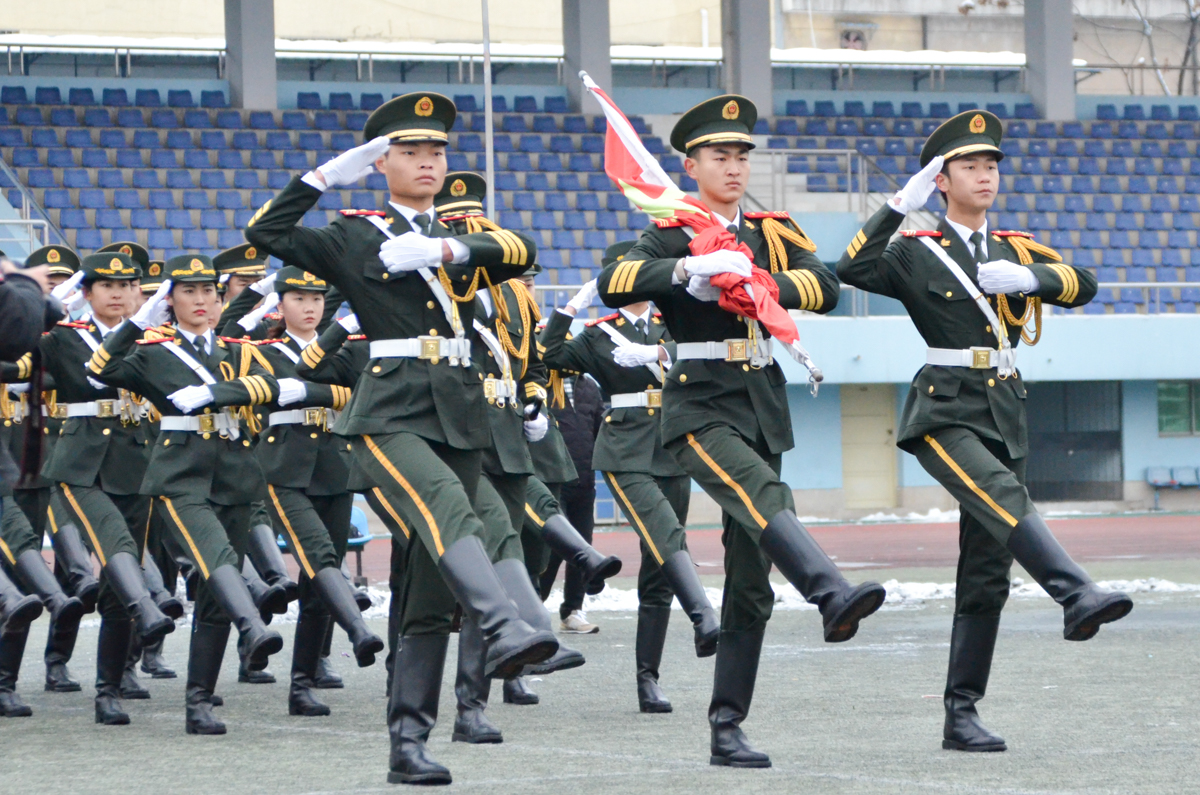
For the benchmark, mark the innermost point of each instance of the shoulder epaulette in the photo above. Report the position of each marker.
(154, 341)
(356, 337)
(351, 213)
(667, 223)
(921, 233)
(273, 316)
(1011, 233)
(599, 320)
(780, 214)
(73, 324)
(243, 340)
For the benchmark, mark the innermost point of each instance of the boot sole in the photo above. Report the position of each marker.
(1087, 627)
(419, 778)
(301, 712)
(172, 608)
(724, 761)
(256, 657)
(845, 625)
(261, 680)
(566, 664)
(123, 720)
(208, 731)
(326, 685)
(486, 739)
(655, 709)
(523, 702)
(17, 713)
(157, 630)
(136, 695)
(954, 745)
(610, 568)
(74, 687)
(514, 663)
(366, 655)
(160, 674)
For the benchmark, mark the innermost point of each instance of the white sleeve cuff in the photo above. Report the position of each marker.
(311, 179)
(459, 253)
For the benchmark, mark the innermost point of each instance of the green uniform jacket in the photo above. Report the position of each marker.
(301, 456)
(947, 317)
(551, 459)
(90, 451)
(630, 440)
(436, 401)
(224, 471)
(244, 304)
(698, 393)
(16, 373)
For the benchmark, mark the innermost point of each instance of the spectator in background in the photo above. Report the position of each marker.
(579, 420)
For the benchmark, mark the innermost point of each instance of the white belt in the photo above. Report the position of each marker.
(433, 349)
(201, 423)
(974, 358)
(95, 408)
(727, 350)
(499, 390)
(650, 398)
(317, 416)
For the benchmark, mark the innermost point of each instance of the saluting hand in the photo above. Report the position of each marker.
(66, 288)
(155, 311)
(351, 166)
(252, 318)
(1002, 276)
(918, 189)
(582, 299)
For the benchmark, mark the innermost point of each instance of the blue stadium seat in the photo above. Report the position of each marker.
(43, 137)
(73, 219)
(229, 120)
(47, 95)
(81, 96)
(583, 258)
(525, 201)
(1102, 130)
(607, 219)
(143, 178)
(532, 144)
(179, 179)
(262, 120)
(143, 219)
(63, 117)
(229, 159)
(130, 158)
(198, 159)
(575, 220)
(999, 109)
(555, 104)
(245, 140)
(370, 101)
(147, 98)
(277, 140)
(542, 220)
(57, 199)
(341, 101)
(326, 120)
(109, 178)
(92, 199)
(228, 238)
(195, 200)
(574, 124)
(278, 180)
(215, 219)
(592, 144)
(562, 239)
(197, 119)
(587, 202)
(213, 99)
(1106, 112)
(13, 95)
(341, 141)
(163, 158)
(130, 117)
(1134, 113)
(525, 104)
(600, 182)
(545, 124)
(294, 120)
(308, 100)
(109, 219)
(796, 107)
(825, 108)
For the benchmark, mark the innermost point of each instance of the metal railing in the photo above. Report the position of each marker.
(32, 215)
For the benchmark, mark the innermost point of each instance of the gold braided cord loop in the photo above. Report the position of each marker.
(775, 232)
(526, 308)
(448, 286)
(7, 407)
(1025, 249)
(558, 390)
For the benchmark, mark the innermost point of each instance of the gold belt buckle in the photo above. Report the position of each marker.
(981, 359)
(653, 398)
(104, 409)
(738, 350)
(489, 388)
(431, 349)
(314, 416)
(208, 423)
(60, 411)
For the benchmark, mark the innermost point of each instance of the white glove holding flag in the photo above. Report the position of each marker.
(265, 286)
(635, 355)
(66, 288)
(536, 428)
(1002, 276)
(252, 318)
(291, 390)
(351, 166)
(350, 323)
(700, 288)
(191, 398)
(722, 261)
(155, 311)
(583, 299)
(918, 189)
(410, 251)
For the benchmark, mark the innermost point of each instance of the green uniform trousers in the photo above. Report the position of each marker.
(316, 528)
(109, 523)
(541, 501)
(35, 503)
(743, 478)
(990, 488)
(657, 509)
(211, 536)
(16, 533)
(396, 525)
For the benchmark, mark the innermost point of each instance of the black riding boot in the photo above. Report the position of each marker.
(338, 596)
(12, 649)
(125, 575)
(651, 636)
(306, 651)
(361, 597)
(163, 597)
(263, 550)
(512, 644)
(971, 644)
(327, 678)
(270, 601)
(154, 663)
(60, 647)
(255, 642)
(17, 611)
(472, 688)
(131, 688)
(1085, 605)
(680, 572)
(111, 650)
(516, 691)
(204, 666)
(562, 537)
(413, 708)
(515, 579)
(733, 688)
(65, 613)
(73, 558)
(805, 565)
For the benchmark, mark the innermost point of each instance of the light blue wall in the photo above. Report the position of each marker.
(829, 231)
(1143, 447)
(816, 460)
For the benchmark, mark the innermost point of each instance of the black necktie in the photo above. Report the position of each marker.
(421, 224)
(732, 229)
(640, 325)
(977, 242)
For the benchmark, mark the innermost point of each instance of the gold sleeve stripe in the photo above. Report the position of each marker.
(818, 293)
(518, 247)
(535, 390)
(312, 355)
(341, 396)
(98, 361)
(505, 245)
(856, 244)
(262, 384)
(250, 389)
(794, 278)
(259, 213)
(625, 277)
(614, 282)
(1070, 281)
(24, 366)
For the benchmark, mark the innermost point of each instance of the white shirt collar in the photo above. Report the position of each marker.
(103, 329)
(966, 232)
(409, 213)
(303, 343)
(485, 297)
(208, 339)
(725, 223)
(645, 316)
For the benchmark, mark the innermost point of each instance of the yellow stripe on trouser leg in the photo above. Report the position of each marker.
(66, 490)
(629, 511)
(950, 462)
(532, 514)
(387, 506)
(287, 525)
(186, 537)
(728, 481)
(12, 561)
(412, 493)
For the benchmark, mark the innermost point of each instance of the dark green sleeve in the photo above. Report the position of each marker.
(237, 309)
(323, 361)
(807, 283)
(273, 228)
(870, 262)
(112, 362)
(333, 302)
(1063, 285)
(255, 388)
(562, 353)
(502, 254)
(644, 273)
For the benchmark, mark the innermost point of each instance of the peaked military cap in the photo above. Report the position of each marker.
(62, 260)
(720, 120)
(113, 265)
(152, 277)
(462, 193)
(616, 252)
(420, 116)
(188, 268)
(243, 260)
(136, 251)
(964, 134)
(292, 278)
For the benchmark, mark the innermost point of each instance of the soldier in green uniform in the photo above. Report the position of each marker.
(725, 414)
(964, 418)
(417, 421)
(202, 471)
(240, 267)
(627, 353)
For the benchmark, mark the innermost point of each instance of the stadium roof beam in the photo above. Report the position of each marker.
(587, 41)
(1049, 64)
(250, 53)
(746, 44)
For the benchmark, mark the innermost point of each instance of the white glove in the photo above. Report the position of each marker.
(1002, 276)
(350, 323)
(635, 355)
(95, 383)
(17, 389)
(583, 299)
(700, 288)
(351, 166)
(154, 311)
(410, 251)
(252, 318)
(223, 278)
(918, 189)
(66, 288)
(265, 286)
(291, 390)
(76, 302)
(535, 429)
(191, 398)
(723, 261)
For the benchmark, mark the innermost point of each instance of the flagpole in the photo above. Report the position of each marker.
(489, 150)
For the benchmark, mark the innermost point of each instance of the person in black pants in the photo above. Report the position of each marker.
(579, 419)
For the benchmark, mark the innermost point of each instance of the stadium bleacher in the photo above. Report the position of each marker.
(1119, 194)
